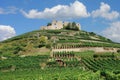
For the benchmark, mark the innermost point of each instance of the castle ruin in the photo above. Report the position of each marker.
(57, 25)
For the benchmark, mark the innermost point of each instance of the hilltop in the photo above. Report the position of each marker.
(68, 54)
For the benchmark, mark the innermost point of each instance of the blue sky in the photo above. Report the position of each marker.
(21, 16)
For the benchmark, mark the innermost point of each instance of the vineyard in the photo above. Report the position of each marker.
(51, 74)
(73, 44)
(31, 56)
(62, 65)
(102, 64)
(53, 39)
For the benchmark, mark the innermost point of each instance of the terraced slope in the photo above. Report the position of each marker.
(36, 54)
(41, 42)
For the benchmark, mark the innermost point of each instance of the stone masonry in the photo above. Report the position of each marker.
(57, 25)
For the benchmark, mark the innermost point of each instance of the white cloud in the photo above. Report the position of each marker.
(74, 10)
(105, 12)
(113, 32)
(6, 32)
(8, 10)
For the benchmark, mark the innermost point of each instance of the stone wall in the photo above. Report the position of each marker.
(95, 49)
(57, 25)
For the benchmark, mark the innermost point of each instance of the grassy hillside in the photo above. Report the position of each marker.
(30, 57)
(86, 66)
(42, 41)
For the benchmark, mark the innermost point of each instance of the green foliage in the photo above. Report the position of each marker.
(54, 31)
(51, 38)
(77, 65)
(102, 64)
(17, 49)
(28, 62)
(118, 51)
(1, 52)
(51, 74)
(49, 24)
(109, 75)
(87, 67)
(43, 39)
(85, 54)
(71, 26)
(49, 45)
(104, 55)
(92, 33)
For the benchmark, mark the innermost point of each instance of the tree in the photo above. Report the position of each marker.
(71, 26)
(92, 33)
(49, 24)
(42, 41)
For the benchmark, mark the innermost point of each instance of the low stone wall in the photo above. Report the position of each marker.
(95, 49)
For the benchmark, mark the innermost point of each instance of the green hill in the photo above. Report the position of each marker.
(47, 54)
(41, 42)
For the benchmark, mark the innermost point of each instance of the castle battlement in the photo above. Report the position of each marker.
(54, 25)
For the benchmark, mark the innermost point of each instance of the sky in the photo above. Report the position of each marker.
(21, 16)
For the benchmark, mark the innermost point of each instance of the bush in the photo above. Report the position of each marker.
(108, 75)
(48, 45)
(92, 33)
(41, 45)
(1, 52)
(118, 51)
(17, 49)
(95, 56)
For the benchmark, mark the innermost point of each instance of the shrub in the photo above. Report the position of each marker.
(118, 51)
(41, 45)
(95, 56)
(17, 49)
(43, 39)
(92, 33)
(48, 45)
(1, 52)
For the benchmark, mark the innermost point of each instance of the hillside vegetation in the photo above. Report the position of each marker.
(32, 42)
(30, 56)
